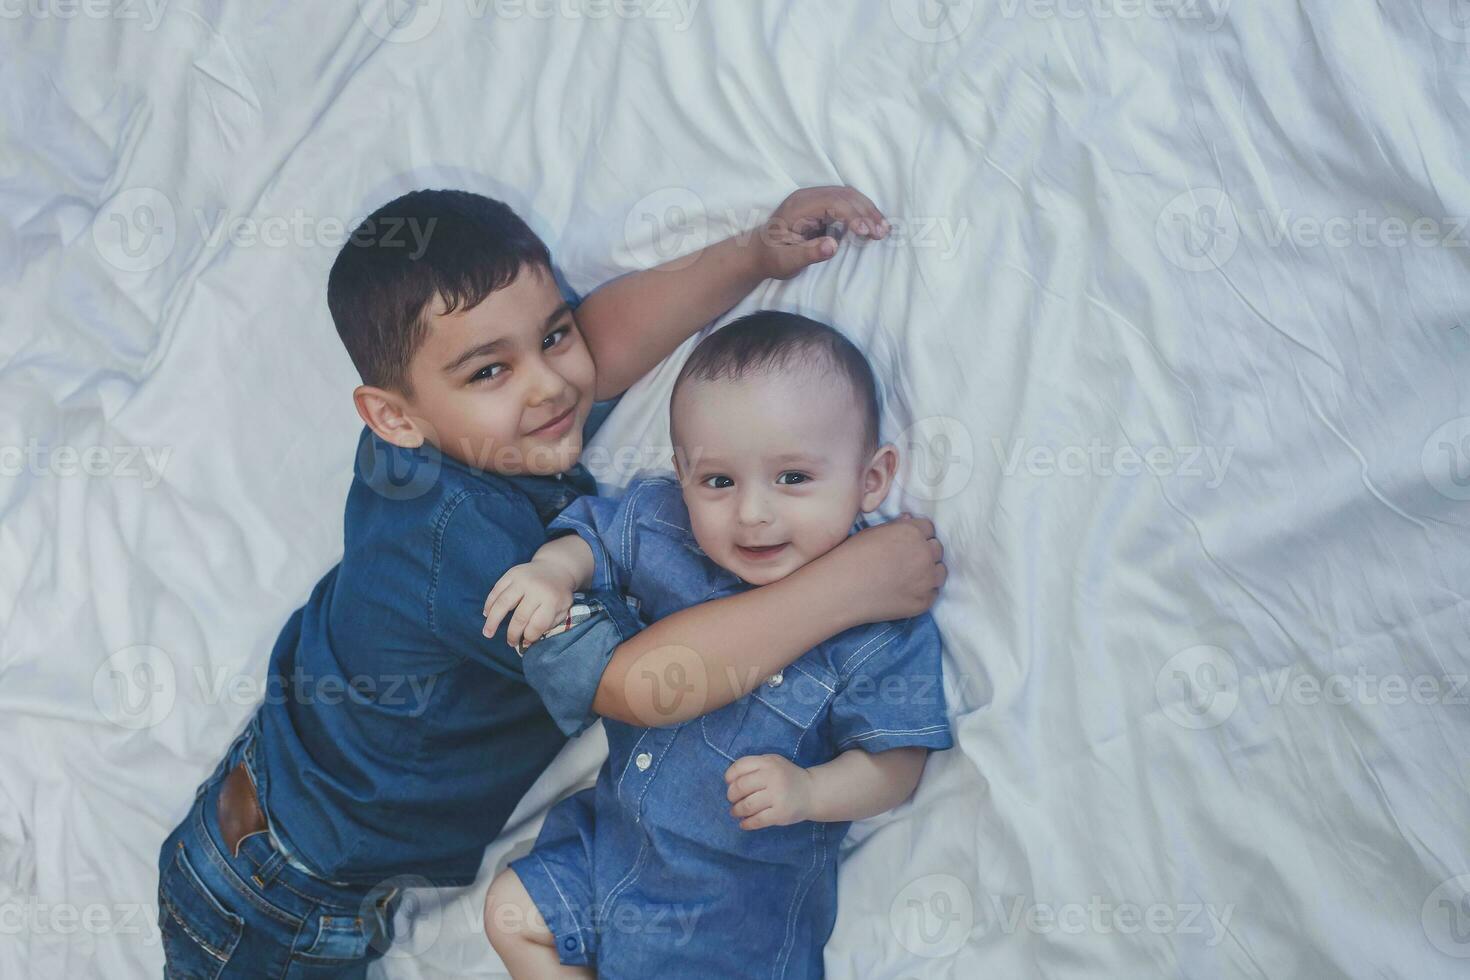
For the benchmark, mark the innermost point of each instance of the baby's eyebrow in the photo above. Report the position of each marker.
(798, 458)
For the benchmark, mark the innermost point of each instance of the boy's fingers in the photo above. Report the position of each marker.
(818, 249)
(870, 211)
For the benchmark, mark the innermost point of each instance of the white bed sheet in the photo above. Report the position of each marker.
(1209, 706)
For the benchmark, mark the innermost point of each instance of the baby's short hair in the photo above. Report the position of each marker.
(454, 245)
(772, 340)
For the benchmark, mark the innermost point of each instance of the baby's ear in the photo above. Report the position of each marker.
(878, 476)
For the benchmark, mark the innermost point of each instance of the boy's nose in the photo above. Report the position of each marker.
(546, 386)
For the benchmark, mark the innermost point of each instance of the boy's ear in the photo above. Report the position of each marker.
(386, 413)
(878, 476)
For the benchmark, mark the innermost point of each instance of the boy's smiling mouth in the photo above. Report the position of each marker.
(558, 425)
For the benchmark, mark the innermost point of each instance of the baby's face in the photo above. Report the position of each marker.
(774, 468)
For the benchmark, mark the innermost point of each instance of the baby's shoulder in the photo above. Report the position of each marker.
(655, 503)
(893, 644)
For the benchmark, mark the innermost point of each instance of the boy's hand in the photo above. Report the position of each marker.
(801, 231)
(541, 595)
(894, 570)
(768, 791)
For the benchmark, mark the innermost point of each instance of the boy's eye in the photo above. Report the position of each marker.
(553, 338)
(791, 478)
(717, 482)
(487, 372)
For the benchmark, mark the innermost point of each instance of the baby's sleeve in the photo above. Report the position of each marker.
(891, 692)
(609, 526)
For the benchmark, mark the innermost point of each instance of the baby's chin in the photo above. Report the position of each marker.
(762, 574)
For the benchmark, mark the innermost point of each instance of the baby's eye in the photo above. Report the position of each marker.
(791, 478)
(553, 338)
(717, 482)
(487, 372)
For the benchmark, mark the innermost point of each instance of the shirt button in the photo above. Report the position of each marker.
(776, 679)
(643, 761)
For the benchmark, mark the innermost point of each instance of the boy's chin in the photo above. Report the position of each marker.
(553, 458)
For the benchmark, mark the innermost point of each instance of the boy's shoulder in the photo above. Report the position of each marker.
(399, 490)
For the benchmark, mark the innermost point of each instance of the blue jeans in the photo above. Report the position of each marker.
(254, 914)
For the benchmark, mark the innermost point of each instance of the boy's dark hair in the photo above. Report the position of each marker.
(451, 244)
(772, 340)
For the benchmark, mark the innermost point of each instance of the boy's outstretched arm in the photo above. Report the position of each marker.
(635, 321)
(704, 657)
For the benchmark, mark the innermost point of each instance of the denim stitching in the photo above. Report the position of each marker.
(567, 905)
(212, 854)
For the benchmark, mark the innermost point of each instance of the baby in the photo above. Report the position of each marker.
(663, 869)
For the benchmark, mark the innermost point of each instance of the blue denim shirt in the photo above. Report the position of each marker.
(759, 902)
(395, 738)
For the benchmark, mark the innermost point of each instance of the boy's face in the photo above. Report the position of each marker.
(506, 385)
(774, 469)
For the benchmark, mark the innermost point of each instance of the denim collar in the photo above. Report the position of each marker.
(400, 473)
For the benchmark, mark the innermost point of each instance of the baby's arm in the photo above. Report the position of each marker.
(540, 590)
(635, 321)
(773, 791)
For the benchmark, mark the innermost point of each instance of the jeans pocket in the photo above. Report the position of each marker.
(339, 940)
(775, 717)
(199, 934)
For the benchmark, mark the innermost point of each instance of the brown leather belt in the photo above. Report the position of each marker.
(238, 809)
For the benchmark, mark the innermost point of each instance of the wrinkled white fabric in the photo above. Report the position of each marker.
(1173, 336)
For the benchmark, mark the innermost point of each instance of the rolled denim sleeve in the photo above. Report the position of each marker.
(610, 528)
(566, 668)
(892, 692)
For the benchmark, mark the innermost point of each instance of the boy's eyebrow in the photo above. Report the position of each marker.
(490, 347)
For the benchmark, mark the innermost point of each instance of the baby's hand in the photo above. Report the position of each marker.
(768, 791)
(541, 595)
(800, 232)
